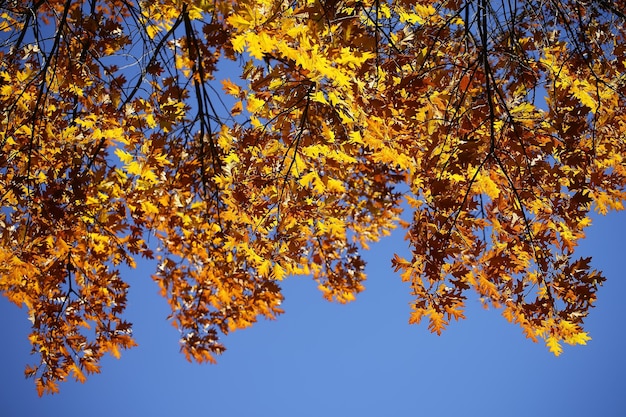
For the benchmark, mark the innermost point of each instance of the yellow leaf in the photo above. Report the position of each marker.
(152, 30)
(150, 121)
(40, 387)
(334, 185)
(231, 88)
(278, 272)
(336, 227)
(318, 96)
(149, 208)
(486, 185)
(90, 366)
(523, 108)
(240, 22)
(237, 108)
(416, 316)
(134, 168)
(580, 338)
(436, 321)
(239, 43)
(313, 179)
(24, 129)
(149, 176)
(554, 345)
(264, 268)
(6, 90)
(78, 374)
(355, 137)
(114, 133)
(195, 13)
(124, 156)
(115, 351)
(254, 104)
(76, 90)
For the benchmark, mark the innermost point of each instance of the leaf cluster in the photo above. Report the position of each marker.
(488, 131)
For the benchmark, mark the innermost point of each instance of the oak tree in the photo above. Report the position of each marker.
(486, 130)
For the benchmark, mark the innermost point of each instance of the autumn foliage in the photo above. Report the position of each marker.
(240, 143)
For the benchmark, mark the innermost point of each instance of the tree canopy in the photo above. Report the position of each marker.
(241, 143)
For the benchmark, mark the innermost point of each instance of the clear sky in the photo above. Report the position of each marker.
(361, 359)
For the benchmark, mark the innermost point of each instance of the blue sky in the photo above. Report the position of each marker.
(360, 359)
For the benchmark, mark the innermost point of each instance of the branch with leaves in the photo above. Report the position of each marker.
(487, 131)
